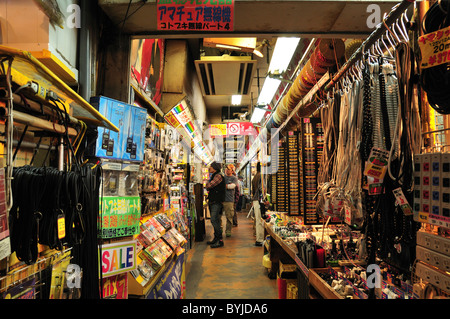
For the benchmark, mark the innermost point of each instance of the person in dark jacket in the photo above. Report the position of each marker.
(216, 196)
(256, 199)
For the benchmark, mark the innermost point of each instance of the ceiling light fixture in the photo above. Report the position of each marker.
(236, 99)
(281, 57)
(233, 44)
(258, 114)
(258, 50)
(282, 54)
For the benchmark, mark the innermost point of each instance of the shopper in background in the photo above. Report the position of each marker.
(241, 195)
(237, 195)
(216, 196)
(256, 199)
(231, 182)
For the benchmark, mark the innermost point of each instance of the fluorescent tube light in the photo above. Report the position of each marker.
(268, 90)
(230, 47)
(281, 57)
(257, 115)
(282, 54)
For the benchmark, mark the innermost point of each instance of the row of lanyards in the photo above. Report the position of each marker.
(343, 134)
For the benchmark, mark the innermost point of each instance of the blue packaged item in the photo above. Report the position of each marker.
(109, 143)
(134, 134)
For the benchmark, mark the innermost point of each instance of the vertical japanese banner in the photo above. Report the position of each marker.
(195, 15)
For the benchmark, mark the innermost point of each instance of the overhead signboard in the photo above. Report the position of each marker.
(217, 130)
(195, 15)
(241, 128)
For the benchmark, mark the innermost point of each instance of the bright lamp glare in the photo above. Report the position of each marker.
(269, 88)
(236, 99)
(282, 54)
(257, 115)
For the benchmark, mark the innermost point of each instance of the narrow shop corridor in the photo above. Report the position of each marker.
(234, 271)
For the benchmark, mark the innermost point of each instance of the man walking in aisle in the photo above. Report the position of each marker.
(231, 182)
(216, 195)
(256, 198)
(240, 203)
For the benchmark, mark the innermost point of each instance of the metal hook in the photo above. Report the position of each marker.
(401, 31)
(404, 21)
(392, 33)
(386, 47)
(380, 51)
(388, 37)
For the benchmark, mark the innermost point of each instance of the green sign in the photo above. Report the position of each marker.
(120, 216)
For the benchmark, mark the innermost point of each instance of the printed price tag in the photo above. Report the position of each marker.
(435, 48)
(402, 201)
(376, 165)
(61, 226)
(347, 214)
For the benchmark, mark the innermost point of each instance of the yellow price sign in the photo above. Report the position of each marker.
(61, 227)
(435, 48)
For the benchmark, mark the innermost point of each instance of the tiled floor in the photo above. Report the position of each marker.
(234, 271)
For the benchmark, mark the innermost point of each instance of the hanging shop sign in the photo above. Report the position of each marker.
(435, 48)
(217, 130)
(234, 128)
(182, 119)
(118, 258)
(115, 287)
(195, 15)
(247, 128)
(241, 128)
(120, 216)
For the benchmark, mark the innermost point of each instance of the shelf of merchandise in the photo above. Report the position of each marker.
(26, 68)
(136, 290)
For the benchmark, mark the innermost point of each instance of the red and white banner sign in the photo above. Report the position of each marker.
(241, 128)
(195, 15)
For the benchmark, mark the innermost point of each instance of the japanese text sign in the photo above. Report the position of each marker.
(120, 216)
(195, 15)
(435, 48)
(218, 130)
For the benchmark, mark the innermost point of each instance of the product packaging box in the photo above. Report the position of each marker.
(445, 184)
(134, 134)
(109, 143)
(435, 183)
(128, 143)
(426, 183)
(417, 183)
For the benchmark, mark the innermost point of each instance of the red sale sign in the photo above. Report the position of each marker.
(195, 15)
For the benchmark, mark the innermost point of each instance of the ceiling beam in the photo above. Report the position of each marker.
(303, 18)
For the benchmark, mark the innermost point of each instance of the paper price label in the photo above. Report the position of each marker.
(402, 201)
(435, 48)
(61, 227)
(347, 214)
(376, 165)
